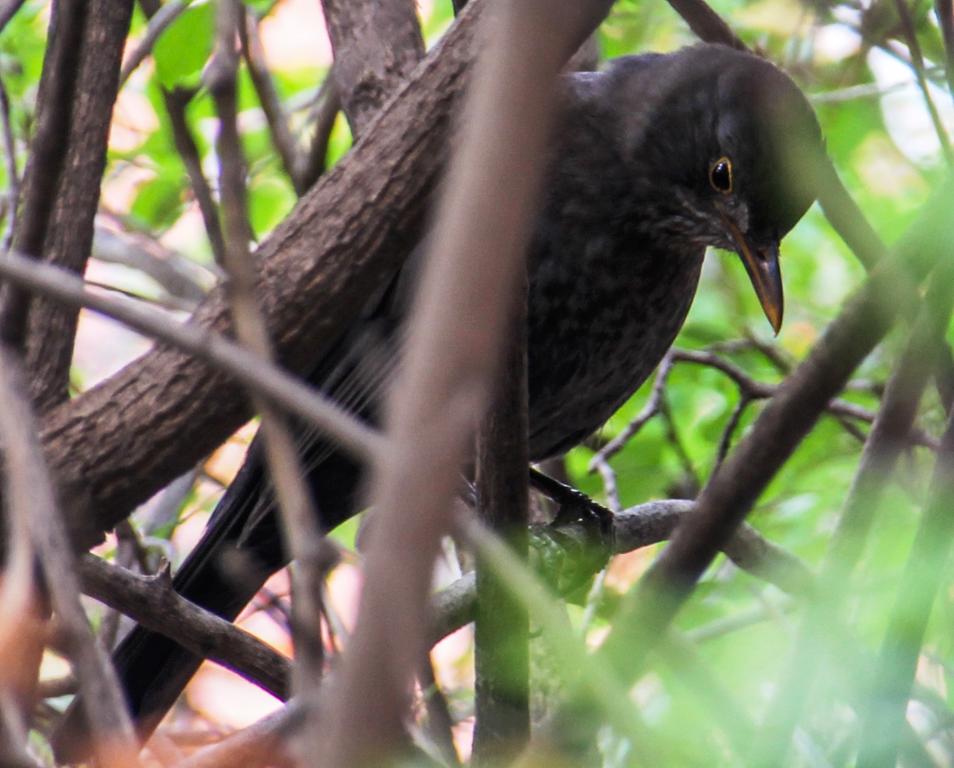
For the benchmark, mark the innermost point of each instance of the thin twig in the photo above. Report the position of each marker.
(945, 19)
(13, 175)
(302, 535)
(159, 23)
(756, 390)
(152, 602)
(649, 410)
(188, 150)
(249, 369)
(323, 117)
(281, 135)
(725, 442)
(917, 62)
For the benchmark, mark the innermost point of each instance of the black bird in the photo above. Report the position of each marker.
(653, 161)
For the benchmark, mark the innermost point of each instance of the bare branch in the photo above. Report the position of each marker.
(13, 175)
(69, 236)
(300, 522)
(30, 494)
(281, 135)
(151, 602)
(176, 102)
(159, 22)
(249, 369)
(917, 62)
(323, 117)
(501, 627)
(376, 45)
(47, 156)
(649, 410)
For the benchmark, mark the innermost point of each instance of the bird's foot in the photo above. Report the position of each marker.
(576, 508)
(578, 542)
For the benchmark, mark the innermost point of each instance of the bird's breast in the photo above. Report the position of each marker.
(598, 324)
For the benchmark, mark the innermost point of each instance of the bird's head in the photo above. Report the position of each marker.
(733, 147)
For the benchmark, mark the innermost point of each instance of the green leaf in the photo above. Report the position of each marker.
(159, 202)
(183, 49)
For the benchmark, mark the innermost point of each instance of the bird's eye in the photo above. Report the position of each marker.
(720, 175)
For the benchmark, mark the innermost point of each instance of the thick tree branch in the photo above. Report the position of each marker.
(69, 238)
(47, 157)
(246, 368)
(376, 46)
(117, 444)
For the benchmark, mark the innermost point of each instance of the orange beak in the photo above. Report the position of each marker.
(765, 273)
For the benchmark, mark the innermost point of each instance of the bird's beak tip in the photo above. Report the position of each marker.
(762, 265)
(766, 275)
(774, 315)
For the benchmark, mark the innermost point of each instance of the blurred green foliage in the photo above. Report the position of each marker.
(748, 627)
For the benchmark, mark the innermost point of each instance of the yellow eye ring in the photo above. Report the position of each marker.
(720, 175)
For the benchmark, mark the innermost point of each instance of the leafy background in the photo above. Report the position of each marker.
(852, 61)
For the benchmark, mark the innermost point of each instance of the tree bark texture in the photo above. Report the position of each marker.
(376, 46)
(117, 444)
(69, 237)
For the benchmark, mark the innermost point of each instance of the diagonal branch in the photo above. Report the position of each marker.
(118, 443)
(732, 491)
(302, 536)
(152, 602)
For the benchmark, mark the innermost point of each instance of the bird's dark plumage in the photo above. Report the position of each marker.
(653, 161)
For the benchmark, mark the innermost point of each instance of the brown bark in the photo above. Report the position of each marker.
(376, 46)
(117, 444)
(502, 626)
(152, 602)
(69, 238)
